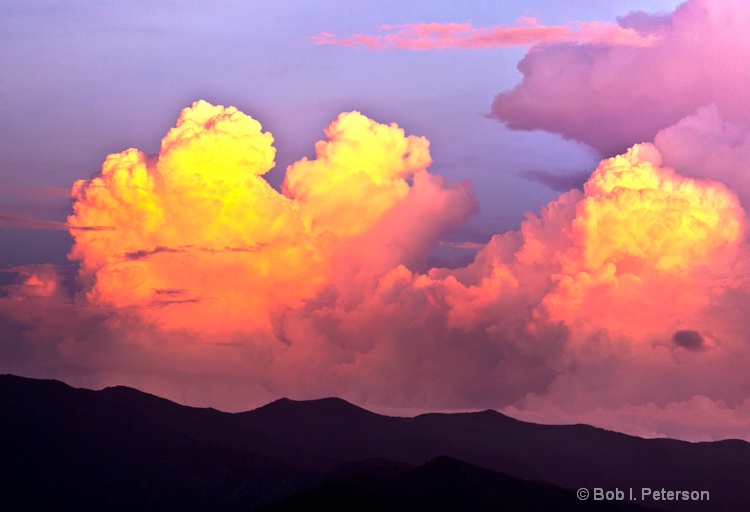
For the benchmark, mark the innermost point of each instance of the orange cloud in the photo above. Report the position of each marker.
(607, 259)
(201, 241)
(638, 237)
(526, 32)
(358, 174)
(213, 288)
(643, 237)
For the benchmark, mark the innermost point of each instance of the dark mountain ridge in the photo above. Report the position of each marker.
(441, 485)
(121, 449)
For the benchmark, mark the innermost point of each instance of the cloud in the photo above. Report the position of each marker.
(27, 222)
(32, 193)
(526, 32)
(698, 419)
(613, 96)
(580, 305)
(200, 218)
(213, 288)
(638, 232)
(557, 182)
(31, 223)
(704, 144)
(691, 340)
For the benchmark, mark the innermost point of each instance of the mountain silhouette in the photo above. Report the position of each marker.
(443, 484)
(120, 449)
(570, 456)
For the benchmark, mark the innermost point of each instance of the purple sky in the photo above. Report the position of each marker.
(85, 79)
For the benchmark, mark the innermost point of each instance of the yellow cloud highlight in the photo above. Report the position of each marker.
(638, 254)
(201, 241)
(358, 174)
(636, 213)
(644, 237)
(318, 286)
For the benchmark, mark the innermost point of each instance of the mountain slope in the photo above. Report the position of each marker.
(72, 449)
(120, 449)
(570, 456)
(441, 485)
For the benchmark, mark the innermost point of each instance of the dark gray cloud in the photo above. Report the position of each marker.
(691, 340)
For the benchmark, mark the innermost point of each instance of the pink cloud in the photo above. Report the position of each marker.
(623, 304)
(612, 96)
(526, 32)
(704, 144)
(697, 419)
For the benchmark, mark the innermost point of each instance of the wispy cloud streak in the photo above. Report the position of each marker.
(31, 223)
(526, 32)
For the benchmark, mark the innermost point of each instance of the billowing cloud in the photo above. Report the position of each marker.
(622, 303)
(704, 144)
(526, 32)
(199, 240)
(638, 234)
(613, 96)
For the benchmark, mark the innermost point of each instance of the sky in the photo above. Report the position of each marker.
(536, 207)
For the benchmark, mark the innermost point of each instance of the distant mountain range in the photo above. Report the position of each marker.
(63, 448)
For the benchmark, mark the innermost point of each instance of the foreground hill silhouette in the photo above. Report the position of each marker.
(120, 449)
(442, 484)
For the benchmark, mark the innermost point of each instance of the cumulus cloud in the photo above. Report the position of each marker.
(213, 288)
(705, 144)
(526, 32)
(199, 219)
(613, 96)
(622, 303)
